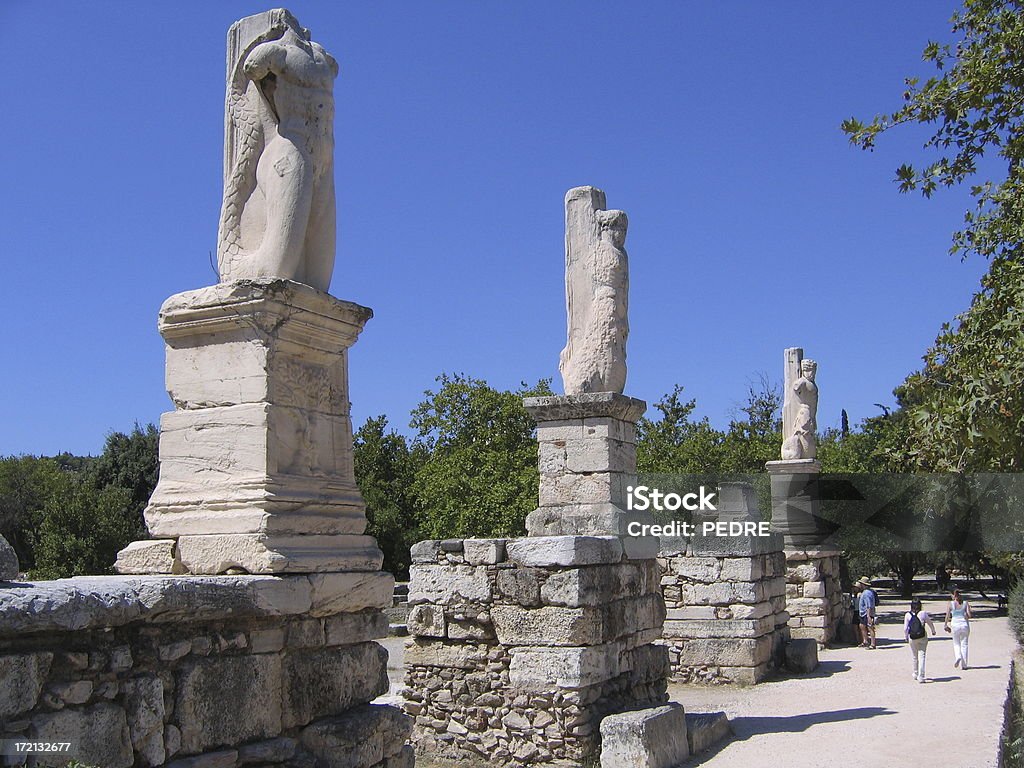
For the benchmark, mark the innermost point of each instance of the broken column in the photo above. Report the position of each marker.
(814, 594)
(521, 647)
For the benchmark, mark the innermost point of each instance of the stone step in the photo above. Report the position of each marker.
(705, 729)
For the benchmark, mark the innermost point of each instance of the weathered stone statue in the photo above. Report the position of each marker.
(278, 215)
(800, 407)
(596, 294)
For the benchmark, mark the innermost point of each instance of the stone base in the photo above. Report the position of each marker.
(202, 671)
(705, 729)
(519, 649)
(802, 655)
(814, 597)
(256, 466)
(726, 600)
(795, 503)
(587, 459)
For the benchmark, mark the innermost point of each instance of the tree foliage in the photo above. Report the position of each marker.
(964, 410)
(69, 515)
(974, 104)
(480, 475)
(81, 528)
(386, 465)
(675, 443)
(966, 406)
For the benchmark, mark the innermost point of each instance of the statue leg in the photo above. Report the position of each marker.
(321, 234)
(284, 175)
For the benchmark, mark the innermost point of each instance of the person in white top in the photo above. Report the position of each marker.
(958, 620)
(914, 623)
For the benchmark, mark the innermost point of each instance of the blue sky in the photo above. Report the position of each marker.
(715, 126)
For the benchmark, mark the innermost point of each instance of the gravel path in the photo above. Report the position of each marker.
(862, 707)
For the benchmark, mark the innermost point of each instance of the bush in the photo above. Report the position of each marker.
(1016, 608)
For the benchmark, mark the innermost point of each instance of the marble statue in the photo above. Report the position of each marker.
(596, 294)
(278, 215)
(800, 407)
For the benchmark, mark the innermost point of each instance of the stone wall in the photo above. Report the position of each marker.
(814, 594)
(520, 647)
(201, 672)
(726, 615)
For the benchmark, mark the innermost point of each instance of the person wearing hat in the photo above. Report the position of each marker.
(867, 608)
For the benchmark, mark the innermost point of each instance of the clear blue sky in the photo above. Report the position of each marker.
(460, 125)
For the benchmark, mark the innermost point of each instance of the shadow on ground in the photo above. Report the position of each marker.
(746, 727)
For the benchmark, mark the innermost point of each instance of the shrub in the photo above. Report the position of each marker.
(1016, 609)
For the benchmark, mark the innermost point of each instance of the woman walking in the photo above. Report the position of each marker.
(914, 623)
(958, 620)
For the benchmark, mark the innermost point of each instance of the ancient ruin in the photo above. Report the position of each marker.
(814, 594)
(596, 294)
(726, 619)
(522, 647)
(247, 635)
(278, 214)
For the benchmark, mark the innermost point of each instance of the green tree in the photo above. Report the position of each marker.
(965, 409)
(752, 441)
(130, 461)
(480, 476)
(385, 466)
(81, 528)
(966, 406)
(26, 482)
(974, 106)
(674, 443)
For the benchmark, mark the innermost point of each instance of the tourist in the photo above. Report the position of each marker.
(867, 608)
(958, 620)
(914, 623)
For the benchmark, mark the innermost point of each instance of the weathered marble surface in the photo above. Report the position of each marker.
(596, 294)
(800, 407)
(278, 213)
(648, 738)
(89, 602)
(256, 469)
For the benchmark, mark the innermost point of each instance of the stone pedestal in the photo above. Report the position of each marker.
(813, 590)
(814, 595)
(520, 648)
(587, 460)
(795, 501)
(256, 469)
(726, 619)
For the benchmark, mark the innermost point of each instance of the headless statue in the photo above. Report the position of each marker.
(596, 293)
(278, 214)
(800, 408)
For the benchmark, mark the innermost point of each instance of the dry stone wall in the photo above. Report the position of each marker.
(814, 594)
(519, 648)
(202, 672)
(726, 613)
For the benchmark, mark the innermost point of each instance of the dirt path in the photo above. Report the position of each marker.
(863, 708)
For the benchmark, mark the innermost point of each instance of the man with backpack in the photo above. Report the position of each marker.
(914, 623)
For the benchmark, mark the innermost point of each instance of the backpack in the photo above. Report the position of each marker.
(916, 628)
